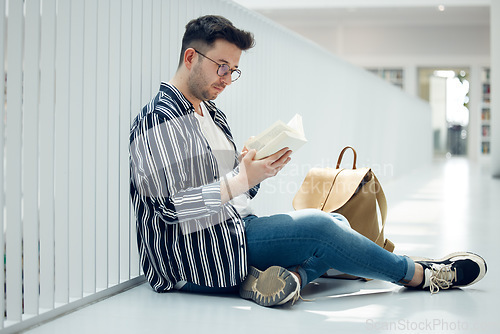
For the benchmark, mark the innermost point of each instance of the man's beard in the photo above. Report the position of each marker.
(198, 85)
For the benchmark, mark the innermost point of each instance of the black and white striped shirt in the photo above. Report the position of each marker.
(184, 232)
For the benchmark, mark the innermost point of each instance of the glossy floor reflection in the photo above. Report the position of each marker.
(452, 205)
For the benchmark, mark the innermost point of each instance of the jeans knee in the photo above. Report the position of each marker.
(320, 222)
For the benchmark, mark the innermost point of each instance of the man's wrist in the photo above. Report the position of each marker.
(233, 186)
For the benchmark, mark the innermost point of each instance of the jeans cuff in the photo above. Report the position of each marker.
(410, 271)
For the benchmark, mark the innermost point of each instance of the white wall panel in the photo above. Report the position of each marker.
(102, 148)
(124, 121)
(165, 54)
(2, 157)
(30, 156)
(175, 39)
(61, 153)
(89, 146)
(146, 48)
(182, 17)
(193, 9)
(13, 165)
(156, 45)
(114, 144)
(135, 107)
(46, 142)
(164, 66)
(76, 162)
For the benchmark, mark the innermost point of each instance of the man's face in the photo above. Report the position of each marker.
(204, 83)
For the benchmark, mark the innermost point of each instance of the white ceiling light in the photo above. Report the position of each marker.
(444, 74)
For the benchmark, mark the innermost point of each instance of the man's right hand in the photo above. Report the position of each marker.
(255, 171)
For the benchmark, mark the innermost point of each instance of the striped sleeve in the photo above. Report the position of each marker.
(162, 163)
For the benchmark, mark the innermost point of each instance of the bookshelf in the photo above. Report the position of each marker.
(394, 76)
(485, 111)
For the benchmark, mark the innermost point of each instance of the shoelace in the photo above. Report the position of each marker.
(298, 296)
(442, 278)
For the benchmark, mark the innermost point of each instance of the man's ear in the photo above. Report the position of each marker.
(189, 58)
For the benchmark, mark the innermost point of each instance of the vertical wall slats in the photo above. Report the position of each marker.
(135, 107)
(208, 6)
(75, 150)
(102, 145)
(61, 152)
(181, 21)
(175, 40)
(13, 165)
(46, 142)
(192, 9)
(113, 144)
(147, 16)
(182, 16)
(165, 70)
(89, 146)
(2, 155)
(156, 47)
(124, 121)
(30, 156)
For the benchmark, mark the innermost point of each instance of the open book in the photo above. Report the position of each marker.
(278, 136)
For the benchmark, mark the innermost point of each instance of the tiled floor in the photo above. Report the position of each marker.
(452, 205)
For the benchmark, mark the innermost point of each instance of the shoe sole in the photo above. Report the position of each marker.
(273, 286)
(467, 255)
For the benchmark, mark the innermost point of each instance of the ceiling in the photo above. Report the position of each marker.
(295, 14)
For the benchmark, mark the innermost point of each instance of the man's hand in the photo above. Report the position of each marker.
(244, 151)
(255, 171)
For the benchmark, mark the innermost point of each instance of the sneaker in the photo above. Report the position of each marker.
(452, 271)
(274, 286)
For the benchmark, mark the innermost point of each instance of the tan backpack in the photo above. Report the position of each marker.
(354, 193)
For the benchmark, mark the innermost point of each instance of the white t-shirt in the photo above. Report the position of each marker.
(224, 154)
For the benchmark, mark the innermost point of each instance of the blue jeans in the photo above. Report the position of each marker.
(312, 241)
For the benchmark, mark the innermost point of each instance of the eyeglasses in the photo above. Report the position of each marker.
(224, 69)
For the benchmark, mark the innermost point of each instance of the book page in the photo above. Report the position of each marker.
(285, 139)
(296, 124)
(268, 135)
(278, 136)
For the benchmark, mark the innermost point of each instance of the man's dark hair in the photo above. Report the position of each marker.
(201, 34)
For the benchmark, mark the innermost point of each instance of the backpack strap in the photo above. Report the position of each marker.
(382, 205)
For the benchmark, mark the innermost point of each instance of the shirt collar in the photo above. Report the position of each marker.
(177, 96)
(173, 92)
(187, 107)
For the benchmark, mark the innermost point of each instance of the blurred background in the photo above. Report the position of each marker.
(436, 50)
